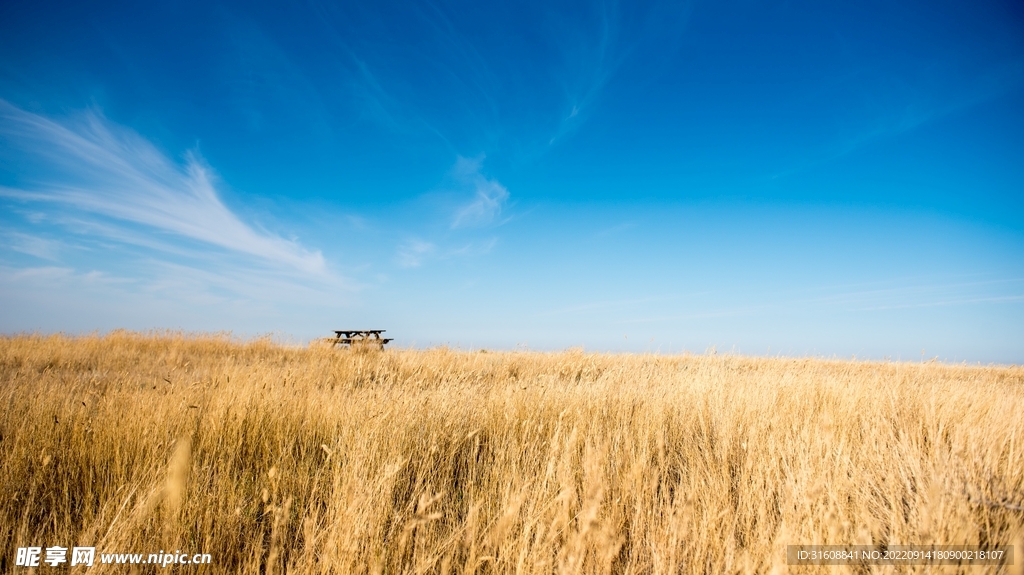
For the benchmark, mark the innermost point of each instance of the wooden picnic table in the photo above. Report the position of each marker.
(360, 336)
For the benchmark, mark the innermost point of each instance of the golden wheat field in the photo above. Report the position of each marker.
(275, 459)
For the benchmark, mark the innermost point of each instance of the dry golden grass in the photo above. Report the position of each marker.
(275, 459)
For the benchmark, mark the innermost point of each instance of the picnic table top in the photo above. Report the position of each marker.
(351, 332)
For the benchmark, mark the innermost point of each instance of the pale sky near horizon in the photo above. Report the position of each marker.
(795, 178)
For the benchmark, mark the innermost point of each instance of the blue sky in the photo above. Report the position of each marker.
(761, 177)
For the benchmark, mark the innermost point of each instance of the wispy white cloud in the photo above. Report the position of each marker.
(489, 196)
(41, 248)
(416, 252)
(474, 248)
(471, 202)
(96, 166)
(160, 293)
(412, 253)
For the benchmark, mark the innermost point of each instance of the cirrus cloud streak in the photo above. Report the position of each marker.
(99, 167)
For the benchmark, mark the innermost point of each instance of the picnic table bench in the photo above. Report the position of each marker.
(359, 337)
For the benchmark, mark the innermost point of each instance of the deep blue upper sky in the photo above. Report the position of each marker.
(764, 177)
